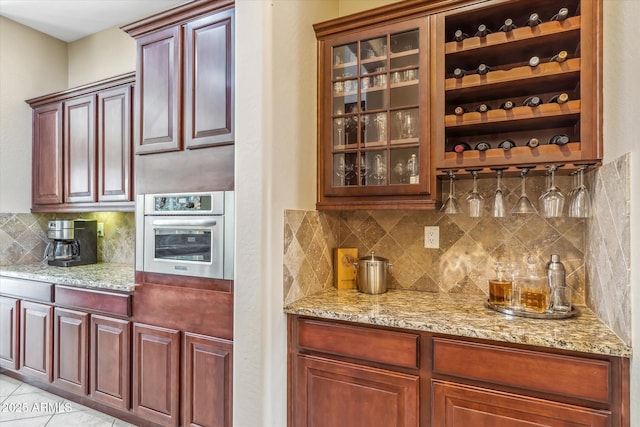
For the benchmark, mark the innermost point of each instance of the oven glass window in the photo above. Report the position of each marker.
(183, 244)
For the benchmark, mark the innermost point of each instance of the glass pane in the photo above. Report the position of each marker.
(374, 66)
(373, 49)
(344, 169)
(405, 61)
(406, 92)
(405, 166)
(351, 130)
(338, 133)
(345, 60)
(373, 98)
(345, 103)
(404, 42)
(405, 126)
(374, 129)
(374, 168)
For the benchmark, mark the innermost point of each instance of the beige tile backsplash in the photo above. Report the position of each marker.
(23, 237)
(595, 251)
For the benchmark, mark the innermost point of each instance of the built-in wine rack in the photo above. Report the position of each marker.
(489, 74)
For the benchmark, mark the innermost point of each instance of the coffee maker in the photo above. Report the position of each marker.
(72, 242)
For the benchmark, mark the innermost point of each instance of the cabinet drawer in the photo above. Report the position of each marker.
(26, 289)
(544, 372)
(374, 345)
(94, 300)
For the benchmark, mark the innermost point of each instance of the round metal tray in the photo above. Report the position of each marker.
(549, 314)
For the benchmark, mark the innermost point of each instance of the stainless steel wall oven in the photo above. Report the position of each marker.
(189, 234)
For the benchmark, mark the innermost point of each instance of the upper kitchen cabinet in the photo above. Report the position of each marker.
(373, 109)
(524, 79)
(82, 148)
(185, 98)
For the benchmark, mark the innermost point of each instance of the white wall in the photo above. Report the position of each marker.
(31, 64)
(275, 170)
(621, 134)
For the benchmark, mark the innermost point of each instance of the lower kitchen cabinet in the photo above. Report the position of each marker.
(9, 338)
(71, 350)
(207, 373)
(156, 373)
(463, 406)
(351, 374)
(36, 331)
(333, 393)
(110, 364)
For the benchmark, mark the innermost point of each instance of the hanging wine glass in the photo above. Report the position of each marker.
(523, 205)
(580, 206)
(553, 199)
(498, 199)
(475, 199)
(451, 206)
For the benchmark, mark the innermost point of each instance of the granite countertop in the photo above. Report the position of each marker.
(118, 277)
(461, 315)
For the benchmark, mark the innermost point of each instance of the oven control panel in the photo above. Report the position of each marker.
(185, 204)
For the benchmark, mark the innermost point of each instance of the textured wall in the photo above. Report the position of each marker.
(608, 253)
(468, 246)
(23, 237)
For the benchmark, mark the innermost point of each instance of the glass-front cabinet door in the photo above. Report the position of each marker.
(373, 139)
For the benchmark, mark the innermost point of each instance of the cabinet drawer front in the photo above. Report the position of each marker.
(27, 289)
(105, 302)
(561, 375)
(375, 345)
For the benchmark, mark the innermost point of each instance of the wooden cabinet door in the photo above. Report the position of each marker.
(158, 102)
(47, 155)
(462, 406)
(110, 361)
(70, 350)
(114, 145)
(80, 149)
(9, 332)
(208, 84)
(331, 393)
(156, 373)
(207, 381)
(35, 340)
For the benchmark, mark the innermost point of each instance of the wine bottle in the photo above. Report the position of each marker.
(507, 144)
(460, 35)
(482, 146)
(532, 101)
(560, 139)
(483, 69)
(560, 56)
(459, 73)
(561, 15)
(461, 146)
(483, 108)
(482, 31)
(534, 20)
(507, 105)
(560, 98)
(533, 142)
(508, 25)
(458, 111)
(534, 61)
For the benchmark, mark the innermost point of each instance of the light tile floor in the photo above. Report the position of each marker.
(22, 405)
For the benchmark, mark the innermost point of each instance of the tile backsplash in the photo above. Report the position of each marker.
(23, 237)
(595, 251)
(608, 250)
(468, 246)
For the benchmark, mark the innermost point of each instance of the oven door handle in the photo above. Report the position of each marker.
(183, 222)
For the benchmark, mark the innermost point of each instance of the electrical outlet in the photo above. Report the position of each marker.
(432, 237)
(101, 229)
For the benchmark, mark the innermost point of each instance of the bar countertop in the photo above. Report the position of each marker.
(461, 315)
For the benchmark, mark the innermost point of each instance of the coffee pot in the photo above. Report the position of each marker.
(71, 242)
(64, 250)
